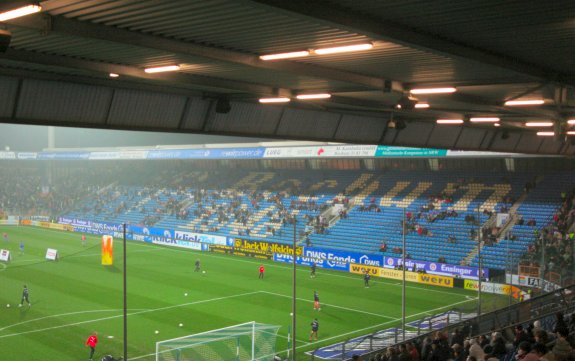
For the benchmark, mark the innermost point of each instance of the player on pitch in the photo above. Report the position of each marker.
(316, 305)
(25, 297)
(92, 341)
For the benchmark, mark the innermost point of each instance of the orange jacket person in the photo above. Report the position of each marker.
(262, 270)
(92, 341)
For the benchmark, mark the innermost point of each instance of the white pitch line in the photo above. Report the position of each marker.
(330, 305)
(386, 323)
(131, 314)
(66, 314)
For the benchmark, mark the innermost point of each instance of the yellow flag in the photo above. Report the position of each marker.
(107, 250)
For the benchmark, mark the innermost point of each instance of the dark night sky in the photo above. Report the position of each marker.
(35, 138)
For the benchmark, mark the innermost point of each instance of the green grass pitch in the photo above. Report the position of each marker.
(77, 295)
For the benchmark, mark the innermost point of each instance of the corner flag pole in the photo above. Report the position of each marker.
(125, 301)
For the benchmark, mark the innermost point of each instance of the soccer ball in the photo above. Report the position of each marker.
(8, 305)
(186, 294)
(157, 332)
(181, 325)
(204, 272)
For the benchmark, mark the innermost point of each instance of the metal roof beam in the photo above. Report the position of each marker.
(61, 25)
(130, 71)
(388, 31)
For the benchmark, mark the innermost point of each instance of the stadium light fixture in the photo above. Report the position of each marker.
(539, 124)
(343, 49)
(512, 103)
(496, 124)
(274, 100)
(571, 132)
(293, 54)
(114, 75)
(571, 122)
(422, 106)
(484, 120)
(19, 12)
(449, 121)
(313, 96)
(161, 69)
(545, 134)
(446, 90)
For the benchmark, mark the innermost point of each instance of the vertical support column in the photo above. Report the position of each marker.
(125, 300)
(294, 288)
(403, 284)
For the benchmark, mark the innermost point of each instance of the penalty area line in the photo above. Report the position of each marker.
(330, 305)
(130, 314)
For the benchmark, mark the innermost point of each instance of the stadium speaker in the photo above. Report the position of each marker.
(397, 124)
(5, 37)
(223, 106)
(406, 102)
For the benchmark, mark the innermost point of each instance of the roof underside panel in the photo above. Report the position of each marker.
(304, 123)
(66, 102)
(210, 21)
(246, 119)
(360, 129)
(131, 108)
(9, 91)
(541, 32)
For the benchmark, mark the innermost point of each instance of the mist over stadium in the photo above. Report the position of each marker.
(347, 210)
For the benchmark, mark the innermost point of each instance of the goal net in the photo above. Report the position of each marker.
(247, 341)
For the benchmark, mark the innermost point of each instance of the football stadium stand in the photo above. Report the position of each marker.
(445, 212)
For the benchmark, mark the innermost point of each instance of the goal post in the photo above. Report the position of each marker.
(249, 341)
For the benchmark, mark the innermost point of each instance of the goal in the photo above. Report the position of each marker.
(244, 342)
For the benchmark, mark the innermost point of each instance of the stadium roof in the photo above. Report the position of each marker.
(56, 70)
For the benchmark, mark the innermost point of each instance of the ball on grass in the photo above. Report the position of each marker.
(291, 313)
(181, 325)
(8, 305)
(186, 294)
(156, 332)
(204, 272)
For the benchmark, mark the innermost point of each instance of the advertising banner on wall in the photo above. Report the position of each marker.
(442, 269)
(201, 238)
(362, 269)
(496, 288)
(435, 280)
(180, 243)
(336, 256)
(308, 261)
(256, 249)
(533, 282)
